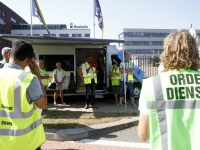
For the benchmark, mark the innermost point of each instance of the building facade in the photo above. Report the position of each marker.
(7, 19)
(56, 30)
(142, 42)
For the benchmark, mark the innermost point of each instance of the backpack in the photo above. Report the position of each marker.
(72, 83)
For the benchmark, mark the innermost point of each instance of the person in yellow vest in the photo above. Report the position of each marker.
(59, 77)
(169, 102)
(43, 75)
(90, 79)
(20, 92)
(115, 75)
(128, 66)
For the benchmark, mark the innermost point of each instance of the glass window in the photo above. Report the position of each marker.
(134, 34)
(162, 34)
(146, 34)
(1, 32)
(134, 42)
(1, 41)
(4, 14)
(142, 34)
(125, 34)
(130, 34)
(4, 32)
(154, 34)
(138, 42)
(47, 35)
(63, 35)
(142, 42)
(158, 43)
(67, 61)
(154, 42)
(87, 35)
(150, 42)
(138, 34)
(150, 34)
(76, 35)
(146, 42)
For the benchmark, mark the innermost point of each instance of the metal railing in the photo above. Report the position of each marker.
(149, 64)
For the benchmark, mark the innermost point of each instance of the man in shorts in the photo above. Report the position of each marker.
(59, 77)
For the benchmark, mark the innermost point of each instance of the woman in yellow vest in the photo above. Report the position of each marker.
(115, 75)
(170, 102)
(20, 121)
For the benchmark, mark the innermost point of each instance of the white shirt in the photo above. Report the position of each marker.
(84, 70)
(59, 74)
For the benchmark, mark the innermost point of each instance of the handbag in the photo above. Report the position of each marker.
(52, 85)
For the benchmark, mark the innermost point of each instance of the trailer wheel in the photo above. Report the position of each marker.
(137, 91)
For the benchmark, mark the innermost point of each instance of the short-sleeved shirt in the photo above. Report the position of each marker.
(142, 104)
(126, 65)
(59, 74)
(34, 90)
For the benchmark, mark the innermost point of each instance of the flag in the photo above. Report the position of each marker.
(98, 14)
(37, 13)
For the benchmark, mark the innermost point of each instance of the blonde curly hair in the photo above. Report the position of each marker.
(180, 52)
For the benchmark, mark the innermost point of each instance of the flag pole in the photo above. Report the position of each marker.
(124, 82)
(94, 17)
(31, 16)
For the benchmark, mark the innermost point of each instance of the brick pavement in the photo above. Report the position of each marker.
(52, 145)
(126, 139)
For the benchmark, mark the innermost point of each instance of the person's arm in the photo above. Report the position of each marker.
(143, 127)
(42, 102)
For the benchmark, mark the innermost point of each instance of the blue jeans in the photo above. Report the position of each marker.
(130, 86)
(92, 88)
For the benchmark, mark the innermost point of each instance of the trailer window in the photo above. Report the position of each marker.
(50, 61)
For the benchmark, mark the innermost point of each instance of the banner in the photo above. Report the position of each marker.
(37, 13)
(98, 14)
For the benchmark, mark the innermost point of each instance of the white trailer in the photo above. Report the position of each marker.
(72, 51)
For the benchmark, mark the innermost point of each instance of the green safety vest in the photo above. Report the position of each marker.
(20, 122)
(130, 75)
(87, 76)
(115, 78)
(43, 73)
(173, 101)
(3, 62)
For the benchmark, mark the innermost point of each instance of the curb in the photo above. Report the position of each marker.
(80, 133)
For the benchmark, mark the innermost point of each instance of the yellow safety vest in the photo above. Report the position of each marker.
(20, 122)
(43, 73)
(130, 75)
(173, 102)
(115, 78)
(87, 76)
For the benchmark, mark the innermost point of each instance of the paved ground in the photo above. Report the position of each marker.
(126, 139)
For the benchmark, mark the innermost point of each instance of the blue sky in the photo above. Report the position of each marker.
(117, 14)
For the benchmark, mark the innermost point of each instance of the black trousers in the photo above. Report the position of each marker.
(92, 88)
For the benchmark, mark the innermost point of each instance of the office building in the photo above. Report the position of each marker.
(7, 19)
(56, 30)
(142, 42)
